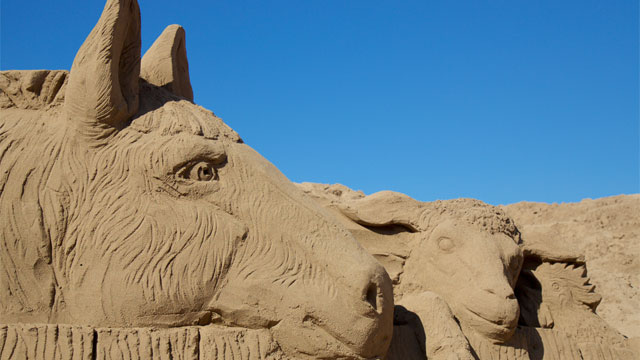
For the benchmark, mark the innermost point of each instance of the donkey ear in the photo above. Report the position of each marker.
(102, 92)
(166, 65)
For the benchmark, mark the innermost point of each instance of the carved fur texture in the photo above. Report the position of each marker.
(125, 205)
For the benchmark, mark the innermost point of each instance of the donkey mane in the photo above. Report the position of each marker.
(31, 143)
(32, 89)
(28, 150)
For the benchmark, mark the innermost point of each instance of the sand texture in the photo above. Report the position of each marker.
(509, 294)
(135, 224)
(129, 210)
(606, 232)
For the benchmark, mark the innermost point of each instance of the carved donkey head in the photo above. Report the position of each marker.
(131, 206)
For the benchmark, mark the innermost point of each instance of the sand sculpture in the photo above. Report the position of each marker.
(467, 283)
(136, 224)
(607, 232)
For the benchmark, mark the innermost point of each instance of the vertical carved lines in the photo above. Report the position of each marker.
(147, 343)
(67, 342)
(231, 344)
(46, 342)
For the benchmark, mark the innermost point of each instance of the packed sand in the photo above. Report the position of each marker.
(137, 225)
(607, 232)
(431, 248)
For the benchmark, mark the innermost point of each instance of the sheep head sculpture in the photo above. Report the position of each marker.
(465, 251)
(124, 204)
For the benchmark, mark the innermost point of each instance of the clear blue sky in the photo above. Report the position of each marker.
(497, 100)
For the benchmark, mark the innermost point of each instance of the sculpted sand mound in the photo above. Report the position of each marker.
(607, 232)
(135, 224)
(471, 282)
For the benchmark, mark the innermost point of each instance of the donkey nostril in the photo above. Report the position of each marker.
(372, 296)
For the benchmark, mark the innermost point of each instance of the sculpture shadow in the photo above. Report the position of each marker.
(409, 339)
(528, 291)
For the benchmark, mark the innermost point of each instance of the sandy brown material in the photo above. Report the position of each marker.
(512, 298)
(429, 327)
(137, 225)
(32, 89)
(606, 233)
(103, 93)
(165, 63)
(52, 341)
(126, 206)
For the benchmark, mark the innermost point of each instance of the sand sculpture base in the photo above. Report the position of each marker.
(66, 342)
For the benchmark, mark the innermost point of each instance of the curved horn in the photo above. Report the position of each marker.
(102, 93)
(165, 63)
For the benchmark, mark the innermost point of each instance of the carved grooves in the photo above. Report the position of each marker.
(528, 344)
(32, 89)
(65, 342)
(28, 341)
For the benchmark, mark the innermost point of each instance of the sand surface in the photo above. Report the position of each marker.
(607, 232)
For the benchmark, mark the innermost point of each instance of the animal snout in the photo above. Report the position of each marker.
(374, 311)
(375, 291)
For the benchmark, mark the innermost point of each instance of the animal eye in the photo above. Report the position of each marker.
(445, 244)
(200, 171)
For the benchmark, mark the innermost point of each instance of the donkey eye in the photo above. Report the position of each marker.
(200, 171)
(445, 244)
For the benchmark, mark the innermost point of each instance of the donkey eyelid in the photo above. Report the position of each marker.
(215, 160)
(190, 155)
(184, 150)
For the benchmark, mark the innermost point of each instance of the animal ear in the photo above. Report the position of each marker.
(384, 208)
(102, 92)
(165, 63)
(547, 248)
